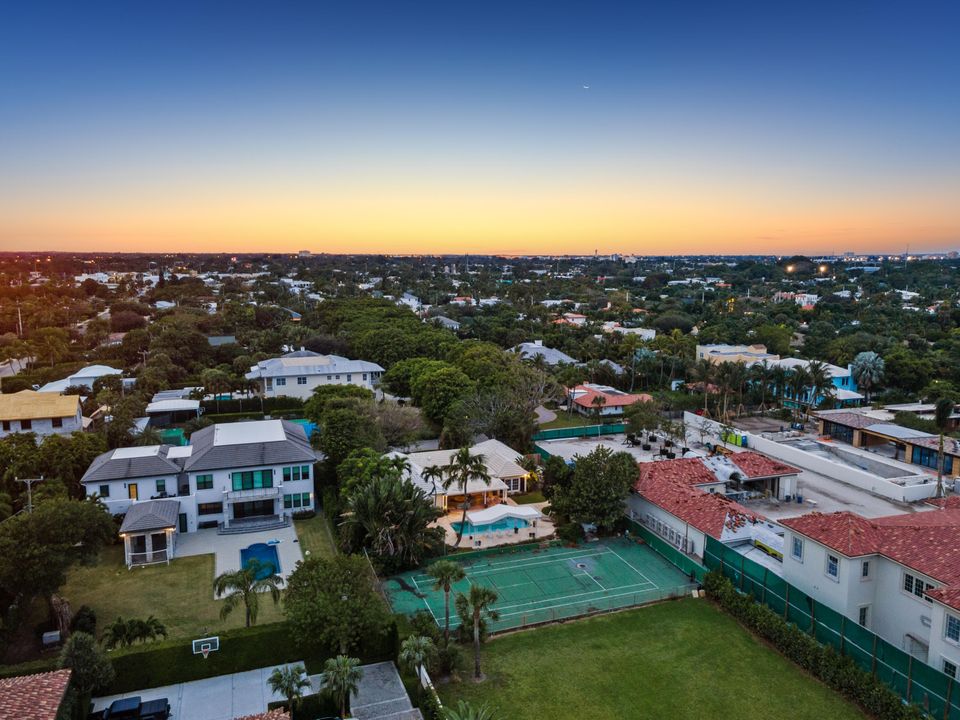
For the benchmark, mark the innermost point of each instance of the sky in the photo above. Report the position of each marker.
(458, 127)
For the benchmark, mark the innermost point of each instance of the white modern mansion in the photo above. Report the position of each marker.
(897, 575)
(233, 476)
(296, 374)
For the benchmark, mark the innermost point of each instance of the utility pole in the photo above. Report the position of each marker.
(29, 483)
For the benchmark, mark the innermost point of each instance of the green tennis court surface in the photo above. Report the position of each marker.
(537, 585)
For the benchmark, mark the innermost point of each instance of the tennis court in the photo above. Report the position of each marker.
(542, 584)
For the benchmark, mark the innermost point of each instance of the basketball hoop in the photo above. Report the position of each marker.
(205, 651)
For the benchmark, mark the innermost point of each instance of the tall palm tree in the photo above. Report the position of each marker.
(738, 380)
(760, 375)
(779, 380)
(724, 380)
(597, 404)
(799, 382)
(445, 574)
(703, 372)
(941, 416)
(475, 605)
(867, 370)
(341, 676)
(415, 651)
(242, 587)
(820, 382)
(462, 468)
(289, 681)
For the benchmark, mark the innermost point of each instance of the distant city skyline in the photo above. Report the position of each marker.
(487, 129)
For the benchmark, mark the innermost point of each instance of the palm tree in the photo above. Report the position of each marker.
(445, 573)
(760, 375)
(433, 474)
(738, 378)
(462, 468)
(820, 382)
(597, 404)
(149, 629)
(867, 371)
(475, 605)
(414, 652)
(779, 380)
(466, 711)
(798, 382)
(703, 372)
(341, 676)
(941, 416)
(242, 587)
(289, 681)
(117, 634)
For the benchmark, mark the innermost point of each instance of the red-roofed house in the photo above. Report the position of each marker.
(683, 502)
(33, 697)
(583, 398)
(898, 575)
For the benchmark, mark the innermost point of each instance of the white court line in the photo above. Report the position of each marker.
(631, 567)
(576, 596)
(592, 578)
(424, 598)
(502, 567)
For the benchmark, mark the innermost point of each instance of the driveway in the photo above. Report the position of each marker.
(543, 415)
(224, 697)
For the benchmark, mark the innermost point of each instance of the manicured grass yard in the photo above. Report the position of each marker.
(531, 497)
(682, 659)
(179, 594)
(315, 535)
(568, 419)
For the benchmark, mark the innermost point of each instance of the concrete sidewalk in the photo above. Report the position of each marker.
(224, 697)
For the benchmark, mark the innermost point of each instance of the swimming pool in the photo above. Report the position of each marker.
(499, 525)
(266, 555)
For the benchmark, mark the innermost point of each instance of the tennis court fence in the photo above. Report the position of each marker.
(913, 679)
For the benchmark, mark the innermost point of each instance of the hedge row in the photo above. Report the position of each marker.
(839, 672)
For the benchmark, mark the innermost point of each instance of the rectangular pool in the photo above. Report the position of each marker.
(505, 524)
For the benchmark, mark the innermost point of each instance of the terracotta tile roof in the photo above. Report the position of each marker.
(755, 465)
(585, 396)
(925, 542)
(949, 502)
(33, 697)
(709, 513)
(275, 714)
(684, 471)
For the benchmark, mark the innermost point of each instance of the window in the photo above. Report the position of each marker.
(252, 480)
(26, 424)
(57, 422)
(864, 617)
(349, 378)
(296, 500)
(928, 457)
(204, 482)
(865, 569)
(161, 486)
(364, 377)
(301, 381)
(104, 491)
(209, 508)
(6, 426)
(281, 382)
(269, 383)
(833, 566)
(916, 586)
(949, 669)
(797, 549)
(953, 628)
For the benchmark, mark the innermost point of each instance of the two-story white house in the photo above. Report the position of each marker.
(44, 414)
(233, 476)
(296, 374)
(897, 575)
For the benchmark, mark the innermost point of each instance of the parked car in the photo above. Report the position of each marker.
(133, 708)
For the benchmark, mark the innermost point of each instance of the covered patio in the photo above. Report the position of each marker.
(149, 532)
(479, 495)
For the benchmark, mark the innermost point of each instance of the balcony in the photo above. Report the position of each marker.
(252, 494)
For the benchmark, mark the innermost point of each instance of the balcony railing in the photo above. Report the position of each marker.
(252, 494)
(147, 558)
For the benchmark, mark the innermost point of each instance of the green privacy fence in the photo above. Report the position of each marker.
(686, 564)
(914, 680)
(580, 431)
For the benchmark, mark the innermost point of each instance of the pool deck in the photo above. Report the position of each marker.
(226, 548)
(544, 529)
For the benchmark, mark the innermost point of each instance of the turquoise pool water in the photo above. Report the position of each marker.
(266, 555)
(505, 524)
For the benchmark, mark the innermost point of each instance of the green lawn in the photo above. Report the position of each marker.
(315, 535)
(531, 497)
(683, 659)
(568, 419)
